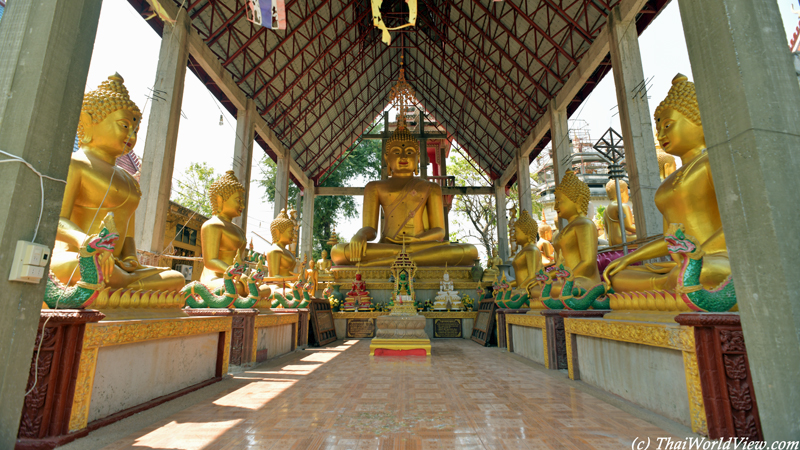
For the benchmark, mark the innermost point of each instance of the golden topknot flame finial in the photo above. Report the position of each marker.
(401, 95)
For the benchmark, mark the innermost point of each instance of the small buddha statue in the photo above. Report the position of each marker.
(544, 245)
(512, 220)
(222, 239)
(686, 197)
(528, 262)
(324, 267)
(492, 271)
(280, 261)
(611, 222)
(358, 297)
(666, 162)
(312, 278)
(576, 243)
(108, 127)
(412, 207)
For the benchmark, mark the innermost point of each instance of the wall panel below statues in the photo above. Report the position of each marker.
(528, 342)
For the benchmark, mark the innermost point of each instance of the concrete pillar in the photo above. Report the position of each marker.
(562, 148)
(307, 224)
(384, 169)
(243, 153)
(423, 158)
(502, 222)
(524, 182)
(158, 160)
(281, 185)
(637, 124)
(749, 102)
(44, 60)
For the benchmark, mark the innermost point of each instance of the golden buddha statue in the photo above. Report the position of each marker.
(107, 129)
(411, 206)
(611, 222)
(544, 245)
(512, 239)
(666, 162)
(324, 267)
(312, 278)
(222, 239)
(686, 197)
(280, 261)
(492, 271)
(528, 262)
(576, 244)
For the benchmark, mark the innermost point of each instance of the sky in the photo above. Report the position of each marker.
(125, 43)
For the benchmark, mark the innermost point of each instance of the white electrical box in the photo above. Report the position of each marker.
(186, 271)
(29, 263)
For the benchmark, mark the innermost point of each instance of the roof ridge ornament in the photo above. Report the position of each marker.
(379, 23)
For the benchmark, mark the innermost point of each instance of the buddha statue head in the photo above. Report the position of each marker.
(666, 163)
(402, 151)
(678, 124)
(526, 229)
(572, 197)
(611, 190)
(109, 119)
(226, 196)
(282, 229)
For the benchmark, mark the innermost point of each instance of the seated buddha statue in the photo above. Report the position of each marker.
(686, 197)
(492, 271)
(528, 262)
(96, 186)
(324, 267)
(358, 297)
(611, 222)
(576, 243)
(447, 297)
(544, 245)
(412, 209)
(222, 239)
(280, 261)
(666, 162)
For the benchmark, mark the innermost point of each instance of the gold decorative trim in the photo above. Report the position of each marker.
(106, 334)
(359, 315)
(133, 299)
(696, 405)
(79, 416)
(544, 343)
(568, 339)
(664, 335)
(450, 314)
(648, 301)
(526, 320)
(274, 320)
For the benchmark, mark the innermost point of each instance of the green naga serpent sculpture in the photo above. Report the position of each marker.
(720, 299)
(299, 298)
(197, 295)
(507, 298)
(576, 298)
(93, 254)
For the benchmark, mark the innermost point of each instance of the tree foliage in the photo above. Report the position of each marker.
(362, 163)
(191, 190)
(479, 210)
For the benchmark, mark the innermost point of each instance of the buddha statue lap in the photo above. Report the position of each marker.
(611, 222)
(412, 209)
(107, 129)
(686, 197)
(576, 244)
(222, 239)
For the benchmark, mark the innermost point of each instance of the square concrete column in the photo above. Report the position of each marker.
(44, 58)
(749, 103)
(423, 158)
(562, 147)
(502, 222)
(524, 183)
(243, 153)
(281, 185)
(307, 224)
(158, 160)
(636, 122)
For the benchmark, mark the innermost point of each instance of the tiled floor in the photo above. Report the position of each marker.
(462, 397)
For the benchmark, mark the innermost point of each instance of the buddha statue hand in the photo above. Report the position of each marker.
(129, 264)
(719, 299)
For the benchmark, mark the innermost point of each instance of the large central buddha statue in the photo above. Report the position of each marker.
(685, 197)
(412, 210)
(96, 186)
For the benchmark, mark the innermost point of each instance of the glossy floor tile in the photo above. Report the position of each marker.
(463, 396)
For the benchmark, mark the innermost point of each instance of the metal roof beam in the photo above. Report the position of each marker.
(457, 190)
